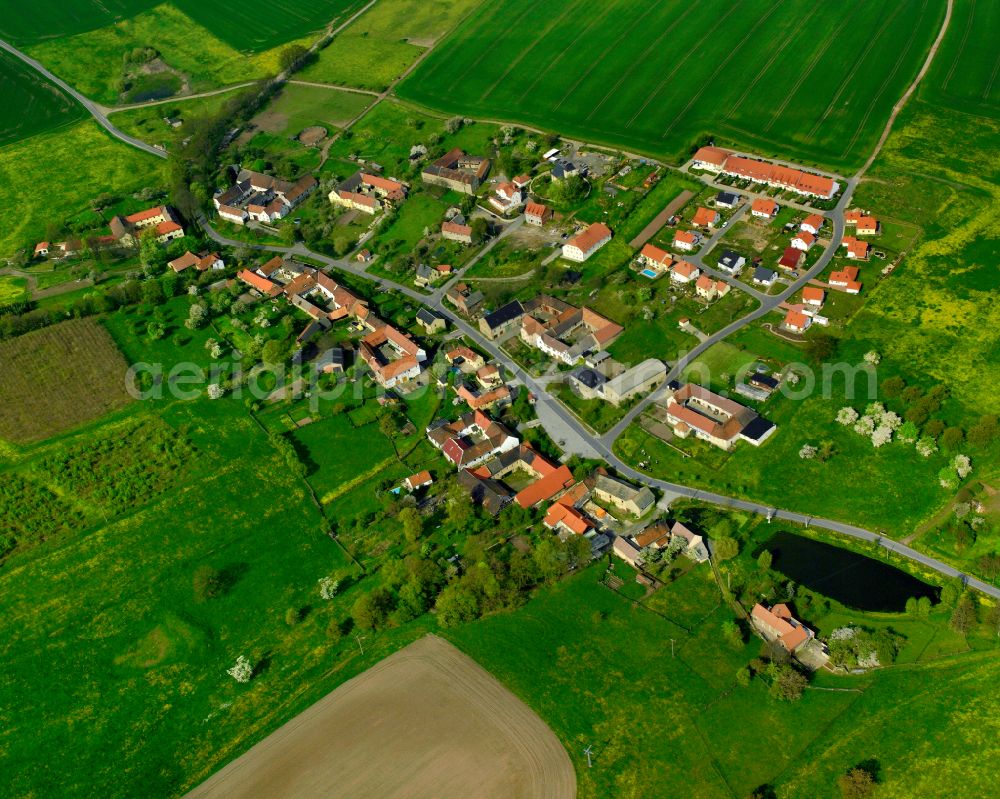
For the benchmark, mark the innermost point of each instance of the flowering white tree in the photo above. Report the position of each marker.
(197, 316)
(214, 391)
(193, 291)
(242, 671)
(873, 358)
(876, 410)
(217, 350)
(926, 446)
(962, 465)
(847, 416)
(892, 420)
(962, 509)
(865, 426)
(328, 587)
(808, 452)
(792, 378)
(881, 435)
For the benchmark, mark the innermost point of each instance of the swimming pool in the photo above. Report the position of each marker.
(650, 273)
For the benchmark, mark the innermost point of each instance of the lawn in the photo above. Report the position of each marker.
(12, 289)
(658, 78)
(298, 107)
(379, 46)
(47, 181)
(74, 365)
(41, 106)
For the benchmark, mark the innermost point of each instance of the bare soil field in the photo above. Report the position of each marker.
(425, 722)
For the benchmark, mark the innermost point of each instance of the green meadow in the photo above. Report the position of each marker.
(788, 78)
(964, 72)
(41, 106)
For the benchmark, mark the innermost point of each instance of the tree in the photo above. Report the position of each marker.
(273, 351)
(807, 452)
(726, 548)
(873, 358)
(934, 428)
(908, 432)
(950, 592)
(857, 783)
(743, 677)
(847, 416)
(241, 671)
(984, 431)
(207, 583)
(924, 606)
(764, 560)
(893, 387)
(291, 55)
(963, 618)
(328, 587)
(152, 292)
(549, 559)
(911, 607)
(412, 523)
(292, 617)
(197, 316)
(952, 438)
(989, 565)
(789, 684)
(456, 605)
(731, 632)
(478, 226)
(453, 124)
(372, 609)
(334, 632)
(458, 505)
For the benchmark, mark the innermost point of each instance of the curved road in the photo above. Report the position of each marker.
(95, 110)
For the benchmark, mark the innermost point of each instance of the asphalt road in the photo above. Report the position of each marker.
(95, 110)
(548, 406)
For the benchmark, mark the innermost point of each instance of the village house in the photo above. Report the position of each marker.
(488, 376)
(431, 321)
(537, 214)
(813, 295)
(705, 217)
(164, 223)
(856, 248)
(454, 231)
(778, 624)
(684, 272)
(485, 399)
(355, 201)
(566, 517)
(796, 321)
(863, 224)
(764, 209)
(727, 199)
(639, 379)
(392, 356)
(202, 262)
(803, 240)
(731, 262)
(238, 216)
(720, 421)
(464, 298)
(655, 258)
(418, 480)
(506, 198)
(846, 279)
(809, 184)
(472, 439)
(763, 276)
(628, 552)
(585, 243)
(491, 495)
(458, 171)
(623, 495)
(686, 240)
(791, 258)
(694, 544)
(262, 198)
(503, 320)
(812, 224)
(710, 289)
(465, 358)
(546, 479)
(564, 332)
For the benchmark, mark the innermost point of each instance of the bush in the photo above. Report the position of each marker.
(207, 583)
(789, 684)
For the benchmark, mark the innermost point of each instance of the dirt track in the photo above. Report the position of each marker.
(425, 722)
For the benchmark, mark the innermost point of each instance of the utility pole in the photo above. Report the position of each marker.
(587, 752)
(671, 647)
(359, 638)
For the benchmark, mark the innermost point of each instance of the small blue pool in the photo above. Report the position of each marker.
(650, 273)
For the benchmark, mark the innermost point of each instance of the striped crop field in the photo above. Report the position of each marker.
(807, 80)
(965, 74)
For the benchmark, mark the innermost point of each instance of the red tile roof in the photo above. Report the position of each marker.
(769, 207)
(712, 155)
(589, 238)
(685, 237)
(705, 216)
(545, 488)
(654, 253)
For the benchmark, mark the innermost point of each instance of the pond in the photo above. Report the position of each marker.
(847, 577)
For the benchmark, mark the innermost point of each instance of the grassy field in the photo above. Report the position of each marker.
(12, 289)
(964, 72)
(148, 123)
(249, 26)
(604, 676)
(58, 378)
(388, 38)
(41, 106)
(47, 181)
(92, 62)
(776, 78)
(297, 107)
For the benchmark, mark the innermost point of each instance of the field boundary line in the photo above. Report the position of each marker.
(516, 62)
(597, 62)
(584, 31)
(638, 60)
(993, 76)
(682, 61)
(806, 73)
(722, 65)
(961, 47)
(885, 83)
(770, 62)
(849, 77)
